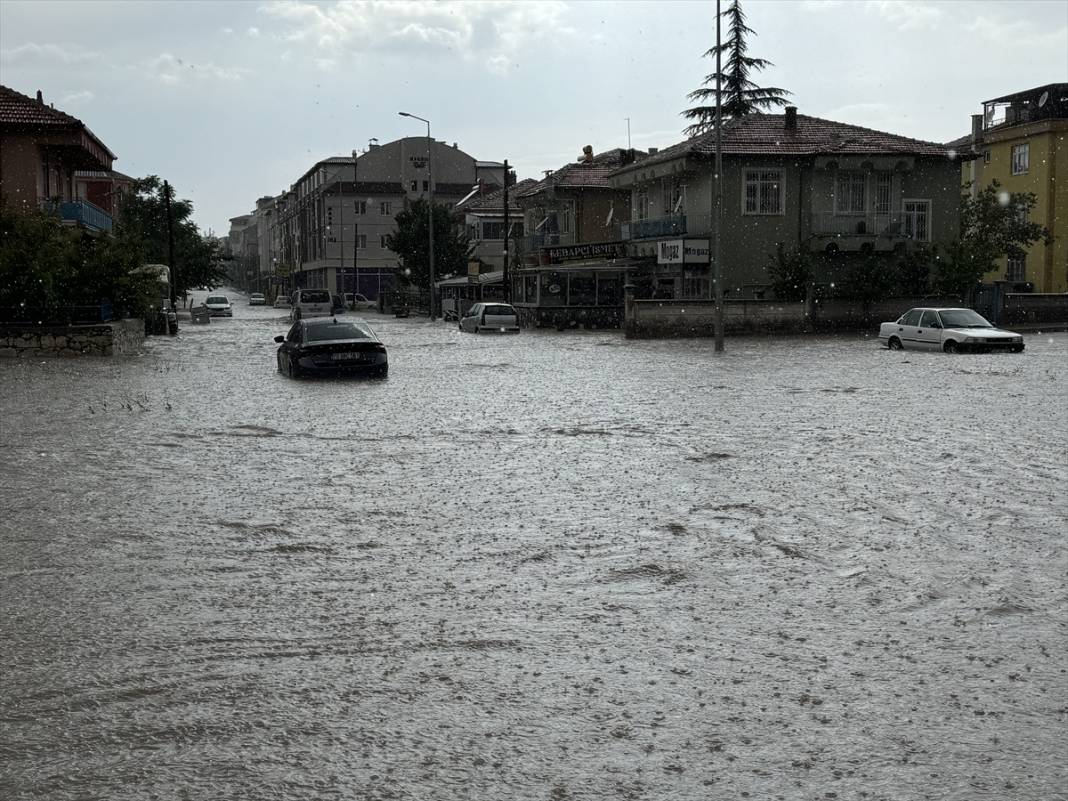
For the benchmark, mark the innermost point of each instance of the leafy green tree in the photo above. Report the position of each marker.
(994, 224)
(791, 273)
(411, 242)
(740, 95)
(47, 267)
(914, 270)
(869, 278)
(143, 219)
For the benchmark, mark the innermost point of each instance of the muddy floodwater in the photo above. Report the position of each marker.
(545, 566)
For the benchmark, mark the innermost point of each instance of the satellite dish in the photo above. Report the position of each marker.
(1042, 100)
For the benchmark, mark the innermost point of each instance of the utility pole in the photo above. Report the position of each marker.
(507, 249)
(355, 232)
(717, 272)
(170, 245)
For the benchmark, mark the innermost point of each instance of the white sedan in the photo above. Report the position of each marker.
(219, 306)
(949, 330)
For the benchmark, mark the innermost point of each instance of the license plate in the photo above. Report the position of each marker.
(348, 357)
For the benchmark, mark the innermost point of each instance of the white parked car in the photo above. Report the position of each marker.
(361, 301)
(257, 299)
(219, 306)
(311, 303)
(949, 330)
(490, 317)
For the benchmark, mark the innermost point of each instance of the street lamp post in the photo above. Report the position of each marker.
(430, 201)
(355, 231)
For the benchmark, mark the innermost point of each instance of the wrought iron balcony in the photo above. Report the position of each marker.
(671, 225)
(869, 224)
(80, 212)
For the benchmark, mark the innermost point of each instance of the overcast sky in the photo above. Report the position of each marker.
(234, 100)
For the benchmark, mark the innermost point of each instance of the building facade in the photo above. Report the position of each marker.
(1021, 141)
(41, 152)
(790, 181)
(329, 229)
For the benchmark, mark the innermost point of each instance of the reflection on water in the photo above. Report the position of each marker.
(552, 566)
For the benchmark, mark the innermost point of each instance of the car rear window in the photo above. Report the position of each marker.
(315, 296)
(500, 310)
(320, 333)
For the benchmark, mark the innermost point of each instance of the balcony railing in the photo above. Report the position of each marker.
(870, 224)
(671, 225)
(80, 212)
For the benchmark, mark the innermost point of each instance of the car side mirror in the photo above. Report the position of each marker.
(279, 338)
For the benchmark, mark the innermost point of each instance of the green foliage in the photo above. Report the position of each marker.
(47, 266)
(143, 220)
(914, 269)
(740, 95)
(994, 224)
(411, 241)
(791, 273)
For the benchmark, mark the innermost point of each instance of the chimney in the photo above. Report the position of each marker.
(791, 118)
(40, 97)
(977, 128)
(653, 151)
(587, 154)
(547, 173)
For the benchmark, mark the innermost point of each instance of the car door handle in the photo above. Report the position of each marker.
(919, 330)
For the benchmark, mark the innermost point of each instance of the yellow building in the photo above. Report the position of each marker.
(1021, 141)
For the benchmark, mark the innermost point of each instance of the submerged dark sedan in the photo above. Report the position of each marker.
(326, 345)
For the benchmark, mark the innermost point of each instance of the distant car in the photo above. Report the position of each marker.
(311, 303)
(219, 306)
(337, 304)
(257, 299)
(361, 301)
(490, 317)
(949, 330)
(329, 345)
(281, 302)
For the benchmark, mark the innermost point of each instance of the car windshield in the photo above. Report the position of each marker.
(216, 299)
(338, 330)
(314, 297)
(963, 318)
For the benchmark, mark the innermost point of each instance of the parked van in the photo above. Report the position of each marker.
(311, 303)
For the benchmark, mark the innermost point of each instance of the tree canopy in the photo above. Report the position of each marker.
(994, 224)
(740, 95)
(143, 219)
(411, 241)
(47, 267)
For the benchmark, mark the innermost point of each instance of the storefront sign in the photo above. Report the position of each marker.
(682, 251)
(600, 250)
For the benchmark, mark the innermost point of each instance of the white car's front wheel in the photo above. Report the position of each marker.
(895, 344)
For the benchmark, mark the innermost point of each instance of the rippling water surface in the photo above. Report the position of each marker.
(547, 566)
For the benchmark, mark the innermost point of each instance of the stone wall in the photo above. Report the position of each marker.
(119, 338)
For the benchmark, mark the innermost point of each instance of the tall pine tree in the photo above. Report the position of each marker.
(740, 95)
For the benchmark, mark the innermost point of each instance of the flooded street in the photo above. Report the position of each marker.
(546, 566)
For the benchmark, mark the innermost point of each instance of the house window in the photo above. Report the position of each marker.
(1016, 268)
(493, 230)
(917, 217)
(849, 193)
(986, 156)
(385, 209)
(382, 242)
(415, 186)
(641, 205)
(361, 241)
(1021, 159)
(361, 206)
(763, 192)
(567, 223)
(426, 186)
(882, 193)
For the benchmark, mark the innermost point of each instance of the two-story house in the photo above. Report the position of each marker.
(791, 180)
(1021, 141)
(42, 150)
(572, 263)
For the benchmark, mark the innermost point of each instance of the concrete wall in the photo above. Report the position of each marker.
(1034, 308)
(121, 338)
(694, 318)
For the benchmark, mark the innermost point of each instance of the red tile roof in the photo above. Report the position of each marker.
(585, 174)
(19, 112)
(494, 201)
(766, 134)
